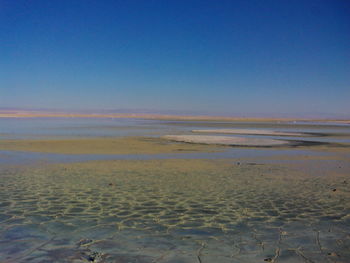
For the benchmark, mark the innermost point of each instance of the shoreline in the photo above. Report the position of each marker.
(4, 114)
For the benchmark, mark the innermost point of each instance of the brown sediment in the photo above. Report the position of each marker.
(119, 145)
(153, 145)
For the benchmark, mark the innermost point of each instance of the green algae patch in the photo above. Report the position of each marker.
(123, 145)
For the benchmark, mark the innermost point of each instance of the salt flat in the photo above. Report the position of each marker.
(225, 140)
(252, 132)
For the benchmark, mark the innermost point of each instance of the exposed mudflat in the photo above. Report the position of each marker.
(101, 145)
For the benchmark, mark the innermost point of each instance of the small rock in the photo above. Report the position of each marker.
(94, 256)
(334, 190)
(110, 184)
(333, 254)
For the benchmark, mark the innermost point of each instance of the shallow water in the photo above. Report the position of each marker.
(332, 133)
(141, 212)
(22, 157)
(38, 128)
(239, 205)
(24, 128)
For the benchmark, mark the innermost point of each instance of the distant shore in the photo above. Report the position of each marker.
(39, 114)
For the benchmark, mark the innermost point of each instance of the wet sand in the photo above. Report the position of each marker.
(114, 145)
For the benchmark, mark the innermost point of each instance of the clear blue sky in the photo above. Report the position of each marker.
(235, 57)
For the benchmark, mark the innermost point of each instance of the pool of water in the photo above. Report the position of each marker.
(21, 157)
(38, 128)
(24, 128)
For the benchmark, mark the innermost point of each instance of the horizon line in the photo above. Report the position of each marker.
(20, 113)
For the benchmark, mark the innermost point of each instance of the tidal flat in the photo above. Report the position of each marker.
(113, 145)
(288, 204)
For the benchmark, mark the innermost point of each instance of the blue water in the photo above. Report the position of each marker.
(22, 157)
(38, 128)
(59, 128)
